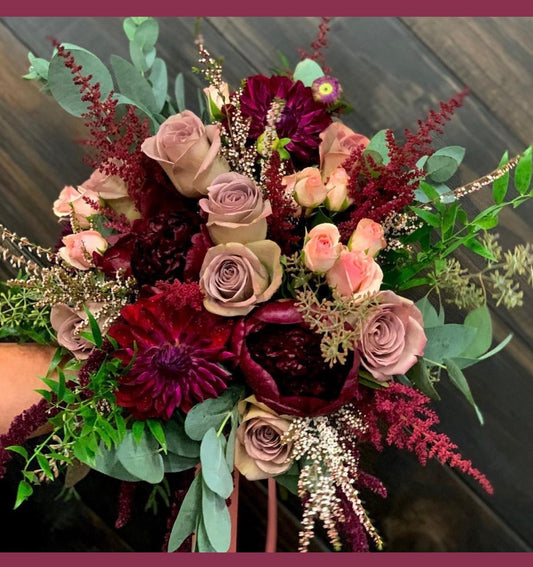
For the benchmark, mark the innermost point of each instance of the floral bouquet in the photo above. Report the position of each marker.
(233, 292)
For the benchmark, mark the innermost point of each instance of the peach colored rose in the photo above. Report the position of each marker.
(216, 98)
(355, 274)
(188, 151)
(392, 337)
(79, 247)
(337, 141)
(337, 191)
(259, 452)
(306, 187)
(367, 237)
(236, 210)
(322, 247)
(71, 201)
(67, 323)
(236, 277)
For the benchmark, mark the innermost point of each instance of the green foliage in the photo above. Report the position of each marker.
(378, 149)
(307, 71)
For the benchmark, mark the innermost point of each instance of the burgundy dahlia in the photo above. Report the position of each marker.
(302, 118)
(175, 357)
(281, 361)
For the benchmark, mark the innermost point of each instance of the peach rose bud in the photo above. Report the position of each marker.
(79, 247)
(337, 187)
(322, 247)
(367, 237)
(337, 142)
(188, 151)
(307, 187)
(355, 274)
(71, 202)
(108, 187)
(216, 98)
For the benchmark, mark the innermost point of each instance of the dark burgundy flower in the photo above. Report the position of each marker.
(177, 356)
(281, 361)
(302, 118)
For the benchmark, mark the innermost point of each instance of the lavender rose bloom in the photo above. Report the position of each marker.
(236, 277)
(392, 337)
(188, 151)
(259, 452)
(236, 210)
(280, 359)
(67, 323)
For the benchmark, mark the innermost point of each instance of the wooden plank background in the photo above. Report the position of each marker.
(393, 71)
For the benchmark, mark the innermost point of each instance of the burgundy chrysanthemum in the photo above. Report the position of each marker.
(176, 353)
(302, 118)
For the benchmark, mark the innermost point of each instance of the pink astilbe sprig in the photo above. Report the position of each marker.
(117, 221)
(116, 141)
(410, 422)
(284, 220)
(126, 499)
(318, 45)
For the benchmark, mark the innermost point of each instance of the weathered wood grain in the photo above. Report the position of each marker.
(392, 72)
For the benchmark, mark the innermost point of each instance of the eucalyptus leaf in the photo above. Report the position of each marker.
(179, 92)
(142, 458)
(429, 313)
(61, 80)
(178, 442)
(419, 376)
(215, 470)
(378, 149)
(106, 462)
(479, 319)
(497, 348)
(159, 80)
(459, 381)
(132, 84)
(188, 516)
(211, 413)
(203, 545)
(146, 34)
(441, 165)
(307, 71)
(173, 463)
(216, 518)
(447, 341)
(39, 66)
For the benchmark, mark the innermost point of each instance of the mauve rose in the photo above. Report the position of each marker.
(236, 210)
(236, 277)
(67, 322)
(80, 246)
(337, 142)
(259, 452)
(367, 237)
(322, 247)
(71, 202)
(392, 337)
(280, 359)
(306, 187)
(188, 151)
(355, 274)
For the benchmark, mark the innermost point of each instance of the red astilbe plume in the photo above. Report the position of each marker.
(126, 498)
(116, 141)
(318, 45)
(410, 423)
(283, 223)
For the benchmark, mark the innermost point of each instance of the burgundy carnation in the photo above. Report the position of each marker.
(302, 118)
(281, 361)
(177, 355)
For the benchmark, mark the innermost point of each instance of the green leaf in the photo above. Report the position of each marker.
(459, 381)
(146, 34)
(18, 449)
(441, 165)
(479, 319)
(106, 461)
(95, 329)
(497, 348)
(61, 84)
(176, 463)
(129, 27)
(289, 479)
(132, 84)
(38, 66)
(448, 219)
(211, 413)
(141, 459)
(215, 470)
(307, 71)
(45, 466)
(127, 101)
(479, 249)
(159, 80)
(203, 545)
(24, 491)
(188, 515)
(230, 445)
(429, 218)
(447, 341)
(378, 149)
(500, 185)
(216, 518)
(419, 376)
(429, 313)
(179, 92)
(522, 174)
(179, 443)
(137, 430)
(158, 432)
